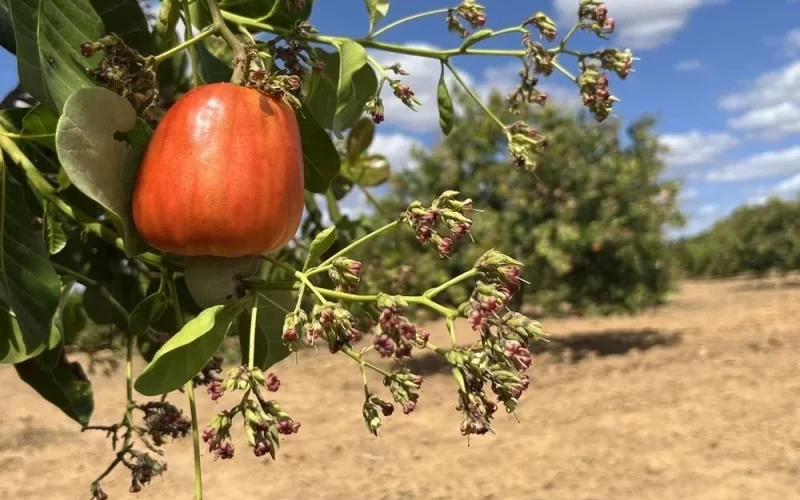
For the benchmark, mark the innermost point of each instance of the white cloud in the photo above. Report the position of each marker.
(423, 80)
(642, 24)
(767, 164)
(696, 147)
(791, 43)
(506, 78)
(689, 65)
(687, 195)
(396, 148)
(770, 105)
(708, 209)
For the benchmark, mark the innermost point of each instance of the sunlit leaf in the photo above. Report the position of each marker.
(184, 355)
(377, 10)
(322, 242)
(368, 171)
(49, 34)
(146, 312)
(54, 235)
(103, 168)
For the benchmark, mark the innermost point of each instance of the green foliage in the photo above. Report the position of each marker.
(185, 354)
(102, 167)
(588, 224)
(753, 239)
(49, 35)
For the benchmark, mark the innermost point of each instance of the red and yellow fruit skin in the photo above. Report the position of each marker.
(222, 175)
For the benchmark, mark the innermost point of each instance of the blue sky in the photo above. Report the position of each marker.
(721, 76)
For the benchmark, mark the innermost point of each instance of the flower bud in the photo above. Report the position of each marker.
(272, 383)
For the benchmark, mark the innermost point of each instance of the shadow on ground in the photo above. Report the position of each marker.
(571, 348)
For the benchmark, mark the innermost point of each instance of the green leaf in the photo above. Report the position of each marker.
(73, 318)
(476, 37)
(146, 312)
(54, 234)
(320, 157)
(352, 59)
(212, 68)
(29, 285)
(185, 354)
(269, 348)
(333, 206)
(360, 138)
(368, 171)
(41, 121)
(278, 13)
(337, 104)
(7, 28)
(211, 280)
(446, 110)
(103, 168)
(49, 34)
(322, 242)
(126, 19)
(377, 10)
(12, 341)
(65, 386)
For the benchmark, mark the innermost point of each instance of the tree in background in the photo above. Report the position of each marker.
(753, 239)
(589, 225)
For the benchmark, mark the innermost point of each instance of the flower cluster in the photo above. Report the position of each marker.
(162, 420)
(503, 354)
(405, 94)
(594, 91)
(264, 420)
(524, 142)
(593, 15)
(403, 385)
(545, 25)
(143, 470)
(374, 108)
(370, 411)
(445, 209)
(334, 324)
(345, 274)
(526, 93)
(471, 12)
(618, 61)
(124, 71)
(396, 335)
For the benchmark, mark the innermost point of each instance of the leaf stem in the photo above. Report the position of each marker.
(369, 43)
(307, 282)
(407, 19)
(38, 182)
(564, 71)
(251, 347)
(26, 137)
(433, 292)
(198, 472)
(474, 96)
(187, 15)
(569, 34)
(359, 242)
(188, 43)
(361, 361)
(238, 48)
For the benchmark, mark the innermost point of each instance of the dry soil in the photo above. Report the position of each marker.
(696, 400)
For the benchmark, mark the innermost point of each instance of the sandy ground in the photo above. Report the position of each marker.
(697, 400)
